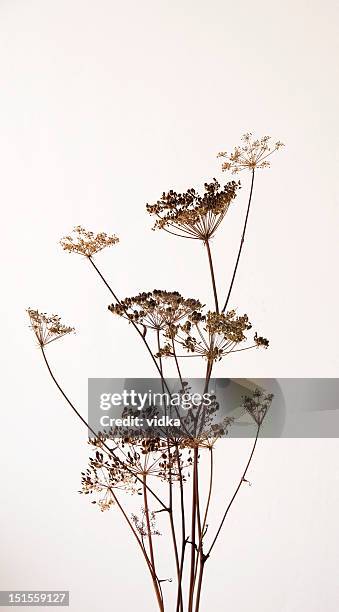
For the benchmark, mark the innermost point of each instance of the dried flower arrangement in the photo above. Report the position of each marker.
(165, 321)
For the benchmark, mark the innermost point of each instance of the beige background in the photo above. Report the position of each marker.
(103, 106)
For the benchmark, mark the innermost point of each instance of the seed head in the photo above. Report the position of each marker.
(47, 328)
(157, 309)
(215, 335)
(191, 215)
(87, 243)
(251, 154)
(258, 404)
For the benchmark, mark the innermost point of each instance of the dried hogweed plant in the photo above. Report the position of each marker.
(163, 468)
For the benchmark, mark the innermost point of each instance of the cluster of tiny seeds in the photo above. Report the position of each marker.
(252, 154)
(157, 309)
(258, 404)
(192, 214)
(87, 243)
(47, 328)
(217, 334)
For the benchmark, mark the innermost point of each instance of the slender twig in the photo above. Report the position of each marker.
(209, 492)
(151, 551)
(170, 485)
(177, 364)
(193, 529)
(183, 530)
(203, 531)
(234, 494)
(241, 245)
(140, 543)
(215, 293)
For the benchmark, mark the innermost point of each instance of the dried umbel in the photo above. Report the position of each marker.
(157, 309)
(208, 431)
(258, 404)
(251, 154)
(87, 243)
(191, 215)
(104, 475)
(47, 328)
(215, 335)
(135, 458)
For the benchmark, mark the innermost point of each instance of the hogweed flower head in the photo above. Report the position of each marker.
(87, 243)
(157, 309)
(103, 476)
(208, 432)
(215, 335)
(251, 154)
(47, 328)
(258, 404)
(191, 215)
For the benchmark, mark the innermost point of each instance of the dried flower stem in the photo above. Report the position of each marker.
(170, 486)
(129, 523)
(204, 524)
(234, 494)
(183, 531)
(241, 245)
(151, 551)
(215, 293)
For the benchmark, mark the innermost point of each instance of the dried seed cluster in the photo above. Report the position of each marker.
(258, 404)
(47, 328)
(157, 309)
(193, 215)
(252, 154)
(87, 243)
(215, 335)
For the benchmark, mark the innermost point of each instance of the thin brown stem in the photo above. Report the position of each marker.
(183, 530)
(177, 364)
(133, 530)
(151, 551)
(203, 531)
(193, 530)
(170, 485)
(210, 261)
(241, 245)
(235, 493)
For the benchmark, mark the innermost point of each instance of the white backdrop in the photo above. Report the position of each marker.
(103, 106)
